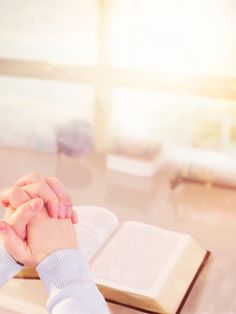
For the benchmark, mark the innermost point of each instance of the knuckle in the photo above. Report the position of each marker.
(41, 186)
(55, 202)
(14, 189)
(68, 201)
(14, 192)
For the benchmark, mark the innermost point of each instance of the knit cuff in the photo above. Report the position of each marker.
(8, 266)
(64, 268)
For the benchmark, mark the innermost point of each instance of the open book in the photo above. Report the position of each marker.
(136, 264)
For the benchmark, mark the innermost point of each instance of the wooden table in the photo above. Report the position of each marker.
(205, 212)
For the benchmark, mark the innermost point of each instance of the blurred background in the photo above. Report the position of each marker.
(145, 90)
(110, 71)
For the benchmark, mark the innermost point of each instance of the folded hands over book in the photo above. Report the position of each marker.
(28, 231)
(38, 231)
(135, 264)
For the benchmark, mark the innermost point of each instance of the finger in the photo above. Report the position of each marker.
(69, 213)
(30, 178)
(43, 191)
(65, 204)
(23, 215)
(65, 208)
(35, 178)
(9, 211)
(14, 196)
(74, 217)
(13, 244)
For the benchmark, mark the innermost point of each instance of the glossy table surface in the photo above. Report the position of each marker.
(205, 212)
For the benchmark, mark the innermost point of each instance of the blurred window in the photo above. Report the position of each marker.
(49, 30)
(185, 36)
(153, 69)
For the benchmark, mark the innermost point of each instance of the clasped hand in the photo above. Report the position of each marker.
(38, 219)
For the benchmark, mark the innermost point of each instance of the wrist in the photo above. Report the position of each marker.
(64, 268)
(8, 265)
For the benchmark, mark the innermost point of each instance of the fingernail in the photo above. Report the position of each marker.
(62, 211)
(69, 212)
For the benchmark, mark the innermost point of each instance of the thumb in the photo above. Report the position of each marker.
(23, 214)
(13, 244)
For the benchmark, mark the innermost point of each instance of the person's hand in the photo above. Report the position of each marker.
(20, 218)
(57, 234)
(15, 229)
(44, 235)
(16, 224)
(49, 189)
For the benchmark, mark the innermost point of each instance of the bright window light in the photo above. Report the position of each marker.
(50, 31)
(185, 36)
(60, 101)
(168, 117)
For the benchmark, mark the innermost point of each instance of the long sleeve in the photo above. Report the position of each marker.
(67, 279)
(8, 266)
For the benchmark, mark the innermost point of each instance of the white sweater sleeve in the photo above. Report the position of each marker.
(66, 277)
(8, 266)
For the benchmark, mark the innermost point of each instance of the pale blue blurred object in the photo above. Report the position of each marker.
(75, 138)
(26, 125)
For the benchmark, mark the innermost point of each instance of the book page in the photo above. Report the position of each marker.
(95, 226)
(138, 257)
